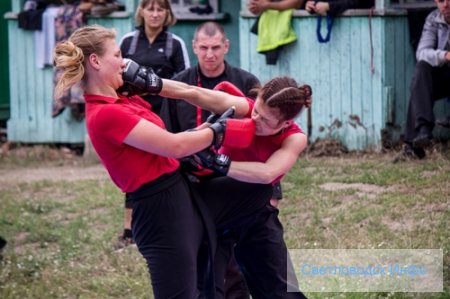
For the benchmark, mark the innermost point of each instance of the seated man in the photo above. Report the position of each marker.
(430, 80)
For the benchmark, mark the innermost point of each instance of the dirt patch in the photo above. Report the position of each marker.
(429, 174)
(68, 163)
(404, 224)
(23, 164)
(371, 191)
(63, 173)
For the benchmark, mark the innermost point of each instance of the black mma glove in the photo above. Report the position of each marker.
(219, 127)
(139, 79)
(219, 163)
(212, 118)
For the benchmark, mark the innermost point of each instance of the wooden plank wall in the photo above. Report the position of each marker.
(4, 71)
(352, 104)
(31, 88)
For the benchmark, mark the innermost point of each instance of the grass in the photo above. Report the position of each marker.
(61, 234)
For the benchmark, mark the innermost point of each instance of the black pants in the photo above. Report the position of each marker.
(168, 232)
(262, 254)
(232, 203)
(247, 223)
(264, 259)
(235, 286)
(428, 85)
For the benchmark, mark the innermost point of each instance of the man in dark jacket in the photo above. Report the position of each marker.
(210, 45)
(430, 80)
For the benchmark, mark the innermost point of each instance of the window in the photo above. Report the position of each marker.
(195, 9)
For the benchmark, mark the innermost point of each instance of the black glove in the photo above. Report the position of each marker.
(139, 79)
(219, 163)
(219, 127)
(212, 118)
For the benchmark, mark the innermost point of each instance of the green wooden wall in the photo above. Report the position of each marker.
(5, 6)
(350, 103)
(358, 107)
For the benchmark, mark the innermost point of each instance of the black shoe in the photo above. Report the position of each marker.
(414, 152)
(423, 139)
(444, 122)
(123, 242)
(410, 153)
(2, 243)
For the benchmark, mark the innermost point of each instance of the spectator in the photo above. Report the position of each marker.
(152, 45)
(273, 26)
(210, 45)
(429, 82)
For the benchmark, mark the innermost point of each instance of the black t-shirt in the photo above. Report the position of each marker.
(154, 55)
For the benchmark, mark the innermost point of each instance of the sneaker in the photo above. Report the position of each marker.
(410, 152)
(2, 243)
(444, 122)
(423, 139)
(123, 242)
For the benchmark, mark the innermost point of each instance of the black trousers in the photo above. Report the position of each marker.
(428, 85)
(232, 203)
(168, 231)
(263, 257)
(235, 286)
(249, 225)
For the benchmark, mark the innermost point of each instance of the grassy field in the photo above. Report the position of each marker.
(61, 233)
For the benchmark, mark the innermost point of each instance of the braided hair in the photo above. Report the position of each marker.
(285, 94)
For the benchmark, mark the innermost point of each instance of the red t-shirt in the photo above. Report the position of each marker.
(261, 147)
(108, 122)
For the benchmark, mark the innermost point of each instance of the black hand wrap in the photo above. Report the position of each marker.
(212, 118)
(219, 127)
(139, 79)
(219, 163)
